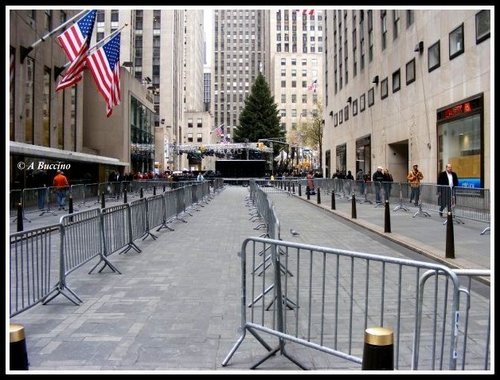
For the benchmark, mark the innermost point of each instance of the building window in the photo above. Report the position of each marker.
(383, 20)
(482, 26)
(371, 97)
(199, 137)
(410, 72)
(29, 101)
(283, 98)
(362, 103)
(190, 123)
(354, 107)
(46, 108)
(384, 88)
(456, 42)
(283, 83)
(190, 137)
(12, 97)
(410, 18)
(433, 57)
(346, 113)
(396, 81)
(341, 116)
(199, 123)
(396, 26)
(335, 120)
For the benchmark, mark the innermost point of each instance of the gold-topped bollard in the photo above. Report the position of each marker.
(378, 350)
(18, 353)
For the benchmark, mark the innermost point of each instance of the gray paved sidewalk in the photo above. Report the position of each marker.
(176, 305)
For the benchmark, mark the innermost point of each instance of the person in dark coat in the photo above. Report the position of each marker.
(447, 181)
(378, 178)
(41, 182)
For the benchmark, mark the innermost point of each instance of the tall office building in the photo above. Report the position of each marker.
(239, 53)
(164, 50)
(296, 45)
(408, 87)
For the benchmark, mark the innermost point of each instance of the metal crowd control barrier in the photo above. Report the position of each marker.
(117, 227)
(82, 237)
(139, 219)
(33, 259)
(340, 293)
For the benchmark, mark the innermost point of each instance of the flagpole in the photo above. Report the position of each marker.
(58, 70)
(25, 51)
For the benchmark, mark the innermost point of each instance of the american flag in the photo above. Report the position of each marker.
(219, 130)
(77, 35)
(308, 12)
(104, 64)
(75, 42)
(313, 86)
(74, 73)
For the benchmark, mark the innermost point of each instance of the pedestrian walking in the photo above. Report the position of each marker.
(387, 184)
(378, 177)
(447, 181)
(41, 182)
(310, 183)
(414, 177)
(61, 184)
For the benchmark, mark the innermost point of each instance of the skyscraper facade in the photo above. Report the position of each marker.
(408, 86)
(239, 53)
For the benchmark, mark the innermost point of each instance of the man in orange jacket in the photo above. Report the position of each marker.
(61, 183)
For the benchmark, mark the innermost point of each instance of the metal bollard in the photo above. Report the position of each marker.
(70, 204)
(20, 226)
(378, 350)
(293, 187)
(319, 197)
(333, 200)
(387, 218)
(450, 240)
(353, 207)
(124, 195)
(142, 193)
(154, 190)
(103, 201)
(308, 193)
(18, 352)
(300, 190)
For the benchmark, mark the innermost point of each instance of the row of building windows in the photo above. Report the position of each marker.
(341, 71)
(285, 47)
(304, 98)
(456, 48)
(303, 113)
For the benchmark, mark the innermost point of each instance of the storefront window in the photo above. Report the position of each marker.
(460, 141)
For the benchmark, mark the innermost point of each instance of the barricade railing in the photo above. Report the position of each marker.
(117, 227)
(156, 212)
(339, 293)
(474, 342)
(84, 236)
(138, 218)
(33, 264)
(464, 202)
